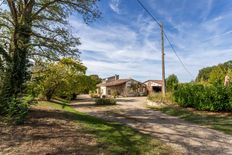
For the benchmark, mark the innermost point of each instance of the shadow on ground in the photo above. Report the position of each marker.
(193, 138)
(218, 121)
(46, 132)
(64, 132)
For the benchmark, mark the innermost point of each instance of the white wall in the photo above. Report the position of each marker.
(103, 91)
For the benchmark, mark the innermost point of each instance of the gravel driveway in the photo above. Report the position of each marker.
(184, 136)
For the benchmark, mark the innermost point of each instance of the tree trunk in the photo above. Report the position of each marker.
(17, 68)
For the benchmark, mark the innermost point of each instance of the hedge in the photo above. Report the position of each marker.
(105, 101)
(204, 97)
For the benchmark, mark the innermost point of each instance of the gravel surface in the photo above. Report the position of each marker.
(186, 137)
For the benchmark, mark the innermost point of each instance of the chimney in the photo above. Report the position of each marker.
(116, 77)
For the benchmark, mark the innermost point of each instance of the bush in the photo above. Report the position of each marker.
(17, 109)
(204, 97)
(105, 101)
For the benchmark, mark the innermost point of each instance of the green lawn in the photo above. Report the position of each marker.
(112, 137)
(218, 121)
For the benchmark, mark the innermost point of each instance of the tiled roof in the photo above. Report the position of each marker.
(155, 81)
(114, 83)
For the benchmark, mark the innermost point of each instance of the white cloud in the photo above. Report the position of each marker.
(114, 5)
(126, 51)
(207, 9)
(133, 50)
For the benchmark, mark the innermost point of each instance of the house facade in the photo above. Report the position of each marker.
(112, 86)
(153, 86)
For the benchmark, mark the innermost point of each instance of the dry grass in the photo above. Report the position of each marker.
(46, 132)
(158, 98)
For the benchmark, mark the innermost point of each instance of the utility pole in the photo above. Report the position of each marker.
(163, 64)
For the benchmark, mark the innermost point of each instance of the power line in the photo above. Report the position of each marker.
(141, 4)
(1, 2)
(173, 49)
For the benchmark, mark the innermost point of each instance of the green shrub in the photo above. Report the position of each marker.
(17, 110)
(105, 101)
(204, 97)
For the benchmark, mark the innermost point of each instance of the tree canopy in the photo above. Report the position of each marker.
(215, 74)
(65, 78)
(171, 81)
(40, 26)
(35, 29)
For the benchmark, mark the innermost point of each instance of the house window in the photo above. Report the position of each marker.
(109, 92)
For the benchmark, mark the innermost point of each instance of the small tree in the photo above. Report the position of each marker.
(171, 81)
(63, 78)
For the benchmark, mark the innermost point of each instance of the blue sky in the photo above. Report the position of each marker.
(126, 41)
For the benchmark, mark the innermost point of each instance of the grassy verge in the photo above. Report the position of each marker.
(112, 137)
(158, 98)
(218, 121)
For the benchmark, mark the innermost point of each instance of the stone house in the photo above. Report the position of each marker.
(122, 87)
(153, 85)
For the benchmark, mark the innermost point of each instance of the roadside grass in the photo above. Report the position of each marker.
(214, 120)
(56, 127)
(158, 98)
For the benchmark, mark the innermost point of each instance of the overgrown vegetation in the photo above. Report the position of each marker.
(204, 97)
(17, 110)
(35, 30)
(105, 101)
(158, 98)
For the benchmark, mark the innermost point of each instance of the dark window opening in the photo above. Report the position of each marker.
(157, 89)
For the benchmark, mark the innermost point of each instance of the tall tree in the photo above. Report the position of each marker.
(204, 74)
(36, 29)
(215, 74)
(171, 81)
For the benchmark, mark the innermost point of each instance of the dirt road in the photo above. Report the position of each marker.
(189, 138)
